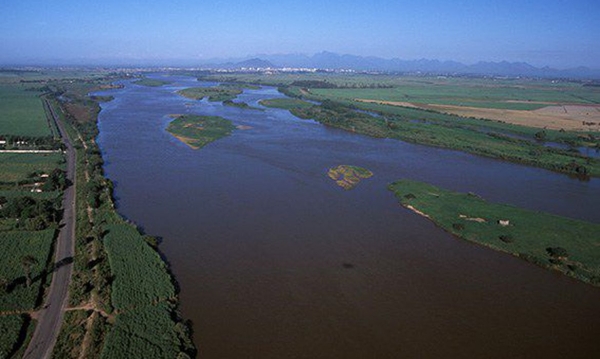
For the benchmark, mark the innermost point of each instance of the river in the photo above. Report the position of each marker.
(275, 261)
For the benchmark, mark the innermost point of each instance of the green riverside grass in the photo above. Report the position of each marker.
(537, 237)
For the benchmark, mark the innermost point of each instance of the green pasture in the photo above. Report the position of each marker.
(15, 247)
(19, 166)
(563, 244)
(22, 112)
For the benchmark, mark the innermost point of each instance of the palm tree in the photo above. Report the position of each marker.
(27, 262)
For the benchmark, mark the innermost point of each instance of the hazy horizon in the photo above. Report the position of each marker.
(559, 34)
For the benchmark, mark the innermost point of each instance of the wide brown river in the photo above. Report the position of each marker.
(275, 261)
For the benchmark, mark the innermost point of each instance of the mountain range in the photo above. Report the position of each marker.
(332, 61)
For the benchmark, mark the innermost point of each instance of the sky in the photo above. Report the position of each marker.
(555, 33)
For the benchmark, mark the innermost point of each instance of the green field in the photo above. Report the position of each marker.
(19, 166)
(151, 82)
(147, 332)
(16, 245)
(10, 328)
(138, 280)
(533, 236)
(198, 131)
(215, 94)
(22, 112)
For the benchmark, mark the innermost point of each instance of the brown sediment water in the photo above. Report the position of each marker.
(274, 260)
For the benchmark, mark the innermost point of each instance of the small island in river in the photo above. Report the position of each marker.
(151, 82)
(347, 176)
(567, 245)
(198, 131)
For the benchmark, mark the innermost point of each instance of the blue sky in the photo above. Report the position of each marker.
(557, 33)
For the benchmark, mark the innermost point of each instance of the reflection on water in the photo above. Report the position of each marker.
(276, 261)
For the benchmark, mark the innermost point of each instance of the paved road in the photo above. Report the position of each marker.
(51, 315)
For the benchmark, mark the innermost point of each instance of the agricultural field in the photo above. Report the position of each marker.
(10, 331)
(21, 111)
(15, 167)
(558, 243)
(198, 131)
(24, 260)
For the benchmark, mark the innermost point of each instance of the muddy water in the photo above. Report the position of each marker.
(275, 261)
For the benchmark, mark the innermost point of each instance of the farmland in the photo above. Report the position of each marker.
(21, 112)
(558, 243)
(16, 167)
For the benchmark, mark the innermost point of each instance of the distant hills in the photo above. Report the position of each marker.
(333, 61)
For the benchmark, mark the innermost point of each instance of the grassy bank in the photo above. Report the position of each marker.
(122, 291)
(198, 131)
(446, 131)
(557, 243)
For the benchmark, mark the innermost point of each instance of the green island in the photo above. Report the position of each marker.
(347, 176)
(151, 82)
(214, 94)
(198, 131)
(119, 306)
(558, 243)
(241, 105)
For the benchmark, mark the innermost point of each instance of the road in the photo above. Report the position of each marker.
(51, 315)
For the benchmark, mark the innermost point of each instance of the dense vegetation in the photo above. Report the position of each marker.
(151, 82)
(120, 287)
(558, 243)
(216, 94)
(286, 103)
(198, 131)
(450, 132)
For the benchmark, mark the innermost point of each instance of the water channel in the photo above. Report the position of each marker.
(275, 261)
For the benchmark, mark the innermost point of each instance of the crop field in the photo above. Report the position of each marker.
(563, 244)
(138, 280)
(19, 166)
(147, 332)
(22, 112)
(16, 246)
(10, 328)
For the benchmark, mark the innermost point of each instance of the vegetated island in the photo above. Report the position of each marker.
(151, 82)
(214, 94)
(286, 103)
(198, 131)
(347, 176)
(566, 245)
